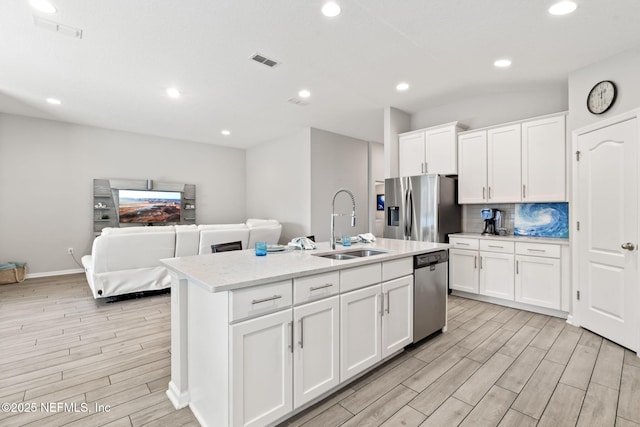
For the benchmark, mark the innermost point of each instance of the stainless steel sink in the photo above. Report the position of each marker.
(337, 256)
(352, 254)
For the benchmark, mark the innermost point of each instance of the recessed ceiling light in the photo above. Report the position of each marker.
(42, 6)
(54, 101)
(304, 93)
(226, 132)
(402, 86)
(331, 9)
(502, 63)
(563, 8)
(172, 92)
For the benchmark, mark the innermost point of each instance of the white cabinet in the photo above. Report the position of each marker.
(397, 315)
(463, 270)
(503, 164)
(375, 322)
(543, 144)
(496, 275)
(261, 369)
(472, 167)
(360, 323)
(317, 353)
(521, 162)
(429, 151)
(538, 278)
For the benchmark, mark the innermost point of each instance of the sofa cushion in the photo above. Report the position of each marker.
(110, 231)
(222, 233)
(255, 222)
(131, 251)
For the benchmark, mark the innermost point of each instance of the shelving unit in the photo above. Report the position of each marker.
(102, 196)
(188, 209)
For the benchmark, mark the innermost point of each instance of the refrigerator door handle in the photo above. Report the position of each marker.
(410, 212)
(406, 210)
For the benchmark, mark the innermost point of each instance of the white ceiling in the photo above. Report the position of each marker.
(132, 50)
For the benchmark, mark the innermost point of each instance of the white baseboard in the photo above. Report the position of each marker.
(54, 273)
(512, 304)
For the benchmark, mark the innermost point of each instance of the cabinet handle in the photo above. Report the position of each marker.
(496, 246)
(426, 167)
(517, 267)
(461, 244)
(388, 303)
(489, 192)
(480, 263)
(291, 336)
(537, 250)
(381, 304)
(524, 191)
(301, 332)
(475, 261)
(315, 288)
(258, 301)
(483, 192)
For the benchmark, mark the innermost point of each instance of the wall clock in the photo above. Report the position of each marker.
(601, 97)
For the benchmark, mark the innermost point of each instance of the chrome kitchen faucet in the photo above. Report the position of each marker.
(334, 214)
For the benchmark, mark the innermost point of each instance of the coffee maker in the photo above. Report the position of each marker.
(492, 220)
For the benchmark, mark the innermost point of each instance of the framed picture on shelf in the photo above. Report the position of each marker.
(380, 202)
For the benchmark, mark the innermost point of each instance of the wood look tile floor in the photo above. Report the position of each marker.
(494, 366)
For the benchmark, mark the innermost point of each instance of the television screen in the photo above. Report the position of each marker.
(380, 204)
(149, 206)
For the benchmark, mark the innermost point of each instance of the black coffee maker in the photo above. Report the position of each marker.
(492, 220)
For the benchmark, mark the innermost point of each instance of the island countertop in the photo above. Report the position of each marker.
(239, 269)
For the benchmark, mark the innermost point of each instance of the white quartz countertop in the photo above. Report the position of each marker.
(225, 271)
(512, 238)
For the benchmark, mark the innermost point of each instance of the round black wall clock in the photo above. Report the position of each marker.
(601, 97)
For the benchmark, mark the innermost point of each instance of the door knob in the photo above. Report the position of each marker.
(628, 246)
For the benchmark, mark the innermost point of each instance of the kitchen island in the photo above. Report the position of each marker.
(256, 339)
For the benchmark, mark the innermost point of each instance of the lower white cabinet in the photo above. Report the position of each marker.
(463, 270)
(538, 281)
(375, 322)
(316, 364)
(261, 369)
(397, 315)
(360, 323)
(496, 275)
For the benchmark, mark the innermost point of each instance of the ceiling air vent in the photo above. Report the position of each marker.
(264, 60)
(56, 27)
(298, 101)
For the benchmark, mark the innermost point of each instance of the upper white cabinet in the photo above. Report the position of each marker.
(429, 151)
(543, 144)
(521, 162)
(503, 164)
(472, 178)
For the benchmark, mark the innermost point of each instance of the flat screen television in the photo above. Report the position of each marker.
(149, 207)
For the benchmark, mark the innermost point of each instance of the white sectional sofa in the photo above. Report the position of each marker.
(127, 260)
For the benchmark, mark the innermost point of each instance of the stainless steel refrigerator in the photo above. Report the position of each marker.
(421, 208)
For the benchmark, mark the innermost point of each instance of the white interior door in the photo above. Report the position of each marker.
(607, 253)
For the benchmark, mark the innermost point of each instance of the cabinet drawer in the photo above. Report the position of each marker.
(358, 277)
(463, 243)
(496, 246)
(538, 249)
(260, 300)
(316, 287)
(397, 268)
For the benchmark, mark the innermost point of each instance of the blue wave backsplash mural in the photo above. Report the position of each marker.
(542, 219)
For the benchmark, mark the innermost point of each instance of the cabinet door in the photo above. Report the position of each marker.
(472, 167)
(463, 270)
(316, 356)
(503, 164)
(360, 321)
(441, 151)
(261, 369)
(538, 281)
(397, 315)
(496, 275)
(543, 160)
(411, 154)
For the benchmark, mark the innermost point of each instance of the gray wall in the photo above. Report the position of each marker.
(623, 69)
(46, 173)
(279, 183)
(395, 122)
(338, 161)
(496, 108)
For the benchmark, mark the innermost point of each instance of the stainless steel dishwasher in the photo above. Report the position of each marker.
(430, 293)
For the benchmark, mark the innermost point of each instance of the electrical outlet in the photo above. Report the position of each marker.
(70, 251)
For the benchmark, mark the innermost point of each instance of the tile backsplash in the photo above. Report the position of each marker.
(473, 223)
